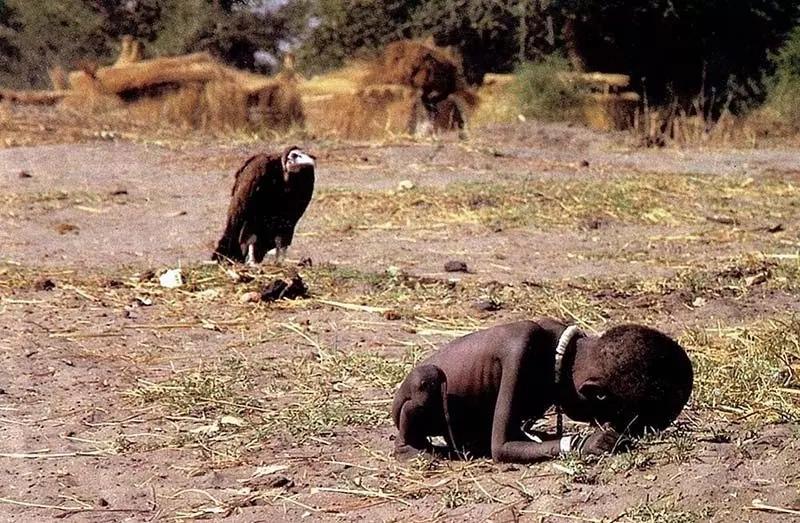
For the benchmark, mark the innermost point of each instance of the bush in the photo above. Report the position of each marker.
(36, 36)
(346, 29)
(45, 34)
(784, 85)
(542, 95)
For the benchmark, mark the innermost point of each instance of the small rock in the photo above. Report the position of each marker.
(391, 315)
(486, 306)
(455, 266)
(592, 224)
(2, 391)
(305, 262)
(44, 284)
(25, 174)
(119, 192)
(282, 289)
(64, 228)
(102, 502)
(778, 227)
(142, 301)
(699, 302)
(250, 297)
(280, 481)
(723, 219)
(405, 185)
(584, 163)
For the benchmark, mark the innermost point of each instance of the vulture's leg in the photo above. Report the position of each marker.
(280, 250)
(250, 260)
(247, 241)
(251, 251)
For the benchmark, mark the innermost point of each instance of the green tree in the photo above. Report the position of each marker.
(784, 84)
(230, 30)
(9, 53)
(52, 33)
(492, 36)
(35, 36)
(138, 18)
(343, 29)
(671, 48)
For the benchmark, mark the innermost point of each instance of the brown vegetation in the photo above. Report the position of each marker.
(193, 90)
(32, 97)
(411, 87)
(606, 104)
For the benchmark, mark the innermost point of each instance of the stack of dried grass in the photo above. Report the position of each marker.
(413, 86)
(607, 105)
(32, 97)
(195, 91)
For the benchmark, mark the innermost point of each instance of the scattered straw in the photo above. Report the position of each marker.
(361, 493)
(760, 506)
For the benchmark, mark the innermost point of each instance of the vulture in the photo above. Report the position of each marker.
(270, 194)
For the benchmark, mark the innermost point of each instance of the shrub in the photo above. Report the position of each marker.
(543, 95)
(784, 84)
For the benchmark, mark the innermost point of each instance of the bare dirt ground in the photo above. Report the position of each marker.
(121, 400)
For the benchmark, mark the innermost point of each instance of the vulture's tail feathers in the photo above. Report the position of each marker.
(227, 249)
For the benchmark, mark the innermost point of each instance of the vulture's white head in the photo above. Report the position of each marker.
(294, 159)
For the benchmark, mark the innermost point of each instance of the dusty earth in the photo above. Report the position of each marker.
(121, 400)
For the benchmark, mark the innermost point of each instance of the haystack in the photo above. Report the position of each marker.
(193, 90)
(412, 87)
(607, 105)
(32, 97)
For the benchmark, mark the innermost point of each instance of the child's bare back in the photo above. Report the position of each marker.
(479, 389)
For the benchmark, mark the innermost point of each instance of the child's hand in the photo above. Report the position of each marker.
(601, 441)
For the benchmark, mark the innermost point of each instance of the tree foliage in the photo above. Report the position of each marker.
(343, 29)
(35, 36)
(490, 35)
(784, 84)
(44, 34)
(669, 47)
(679, 47)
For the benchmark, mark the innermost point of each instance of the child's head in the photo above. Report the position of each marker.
(632, 377)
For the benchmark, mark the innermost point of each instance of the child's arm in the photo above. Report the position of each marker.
(506, 424)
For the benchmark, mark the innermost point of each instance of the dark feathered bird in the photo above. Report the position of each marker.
(270, 194)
